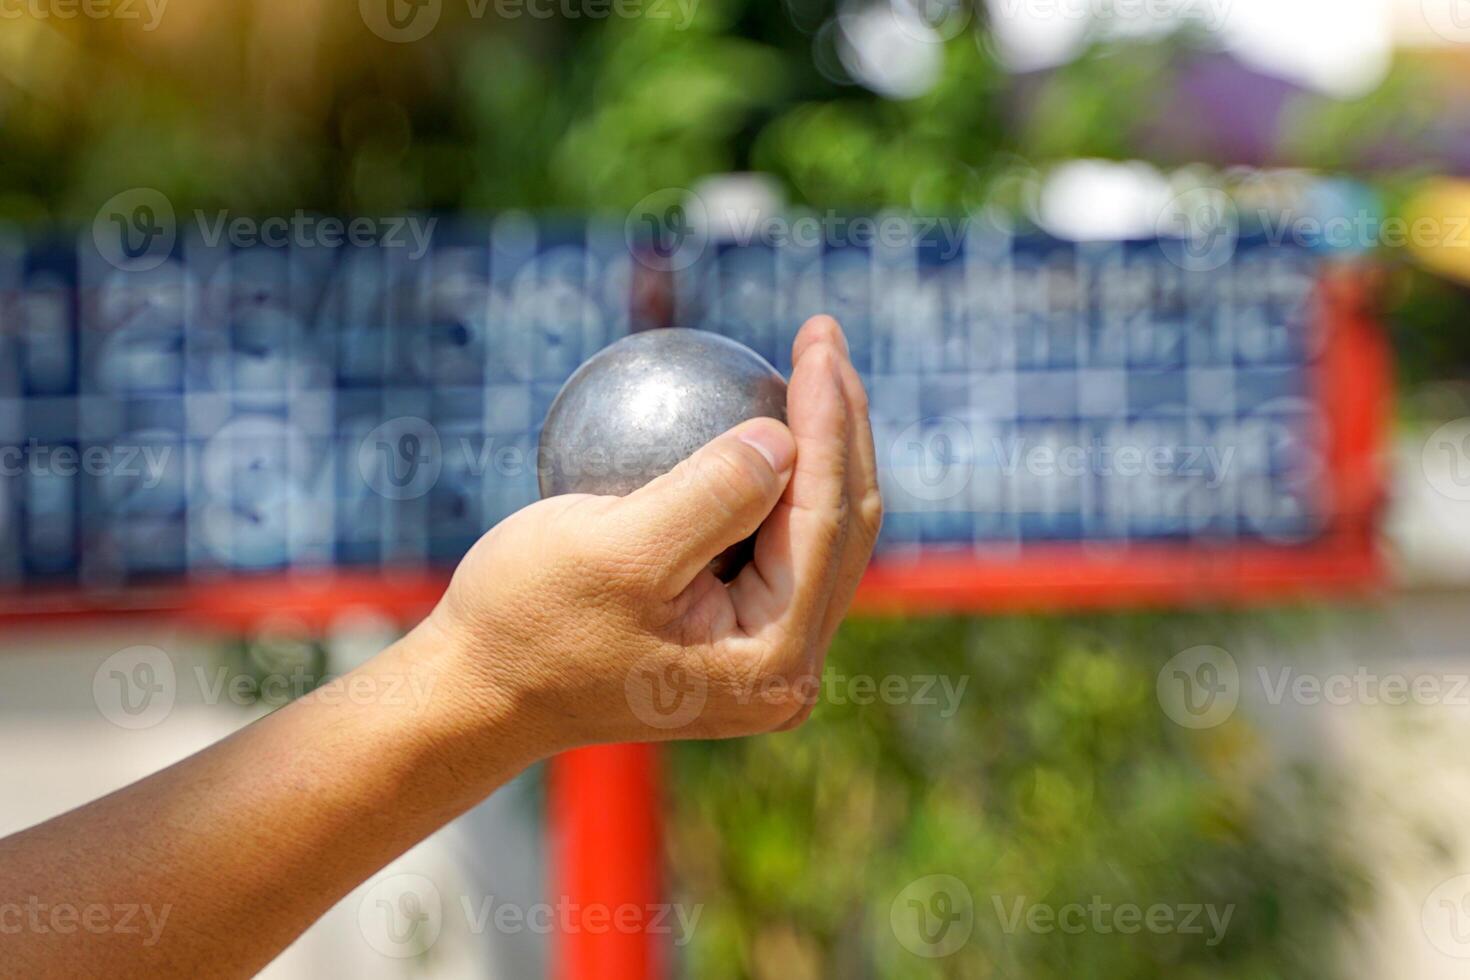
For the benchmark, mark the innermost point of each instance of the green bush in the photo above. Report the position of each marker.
(1058, 780)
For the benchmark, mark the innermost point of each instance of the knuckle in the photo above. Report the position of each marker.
(834, 530)
(870, 512)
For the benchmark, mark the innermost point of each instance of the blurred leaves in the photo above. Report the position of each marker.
(1057, 780)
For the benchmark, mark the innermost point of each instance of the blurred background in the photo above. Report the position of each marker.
(1048, 784)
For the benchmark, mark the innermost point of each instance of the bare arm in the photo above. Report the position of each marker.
(232, 852)
(537, 647)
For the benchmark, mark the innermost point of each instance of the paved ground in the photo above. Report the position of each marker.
(58, 750)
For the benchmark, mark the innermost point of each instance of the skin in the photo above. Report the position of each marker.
(553, 634)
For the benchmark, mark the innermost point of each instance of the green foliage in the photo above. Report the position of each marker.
(1057, 779)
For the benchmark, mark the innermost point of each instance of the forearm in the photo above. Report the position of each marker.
(232, 852)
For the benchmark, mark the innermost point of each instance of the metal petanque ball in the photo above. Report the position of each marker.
(640, 406)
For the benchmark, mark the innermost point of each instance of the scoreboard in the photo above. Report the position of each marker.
(1055, 421)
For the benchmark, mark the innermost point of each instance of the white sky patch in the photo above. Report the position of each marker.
(1031, 36)
(897, 60)
(1094, 200)
(1341, 47)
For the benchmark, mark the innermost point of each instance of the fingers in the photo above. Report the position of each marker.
(798, 553)
(716, 498)
(865, 500)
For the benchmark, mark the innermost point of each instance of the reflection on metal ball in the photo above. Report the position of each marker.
(641, 405)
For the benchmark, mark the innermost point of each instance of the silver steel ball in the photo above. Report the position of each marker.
(641, 405)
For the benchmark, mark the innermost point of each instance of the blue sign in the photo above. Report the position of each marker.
(192, 405)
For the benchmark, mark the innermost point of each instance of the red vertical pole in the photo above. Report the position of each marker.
(603, 801)
(605, 858)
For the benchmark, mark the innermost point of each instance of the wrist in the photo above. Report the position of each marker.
(478, 713)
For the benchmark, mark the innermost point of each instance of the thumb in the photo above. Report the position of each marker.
(714, 499)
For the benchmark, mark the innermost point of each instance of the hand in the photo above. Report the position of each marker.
(581, 619)
(595, 619)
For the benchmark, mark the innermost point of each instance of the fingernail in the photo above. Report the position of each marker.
(772, 440)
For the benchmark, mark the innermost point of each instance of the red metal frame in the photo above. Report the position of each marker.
(604, 811)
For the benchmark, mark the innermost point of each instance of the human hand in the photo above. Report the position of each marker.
(595, 619)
